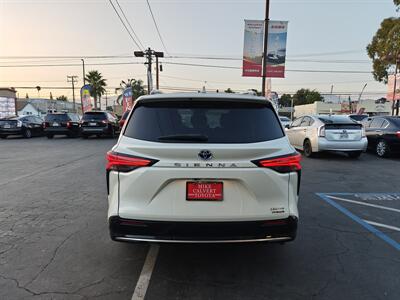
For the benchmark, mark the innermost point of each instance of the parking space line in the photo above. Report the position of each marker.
(382, 225)
(145, 276)
(352, 216)
(364, 203)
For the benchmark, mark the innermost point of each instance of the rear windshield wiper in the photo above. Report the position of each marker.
(184, 137)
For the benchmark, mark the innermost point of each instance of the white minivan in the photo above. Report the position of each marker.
(203, 168)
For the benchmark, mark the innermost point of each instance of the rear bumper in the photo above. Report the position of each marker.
(127, 230)
(326, 145)
(57, 130)
(94, 130)
(10, 131)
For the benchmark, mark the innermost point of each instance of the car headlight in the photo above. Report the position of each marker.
(19, 124)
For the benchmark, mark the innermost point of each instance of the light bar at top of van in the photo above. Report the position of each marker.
(125, 163)
(282, 164)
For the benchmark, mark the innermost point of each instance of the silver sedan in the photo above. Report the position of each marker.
(316, 133)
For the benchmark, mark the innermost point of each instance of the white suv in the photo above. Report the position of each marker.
(203, 168)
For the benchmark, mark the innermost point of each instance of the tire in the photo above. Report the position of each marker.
(27, 133)
(307, 148)
(354, 154)
(3, 137)
(50, 136)
(382, 148)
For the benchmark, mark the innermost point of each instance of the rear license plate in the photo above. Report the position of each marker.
(204, 191)
(344, 136)
(92, 124)
(7, 126)
(56, 124)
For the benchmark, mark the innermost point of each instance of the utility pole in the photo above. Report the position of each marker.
(395, 87)
(73, 79)
(264, 66)
(83, 71)
(157, 75)
(149, 54)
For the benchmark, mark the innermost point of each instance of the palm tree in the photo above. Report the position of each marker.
(136, 85)
(97, 83)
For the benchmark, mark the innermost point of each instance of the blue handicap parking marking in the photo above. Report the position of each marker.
(359, 198)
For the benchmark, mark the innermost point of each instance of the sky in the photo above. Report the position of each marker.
(322, 35)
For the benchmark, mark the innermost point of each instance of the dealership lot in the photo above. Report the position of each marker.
(55, 245)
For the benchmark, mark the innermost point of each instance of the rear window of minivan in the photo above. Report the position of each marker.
(211, 121)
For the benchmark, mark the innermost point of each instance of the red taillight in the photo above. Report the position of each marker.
(282, 164)
(125, 163)
(104, 121)
(69, 124)
(121, 123)
(398, 134)
(45, 124)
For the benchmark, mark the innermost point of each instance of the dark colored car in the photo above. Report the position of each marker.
(61, 124)
(383, 133)
(27, 126)
(99, 123)
(123, 118)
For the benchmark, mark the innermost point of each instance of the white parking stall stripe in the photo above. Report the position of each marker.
(145, 276)
(364, 203)
(383, 225)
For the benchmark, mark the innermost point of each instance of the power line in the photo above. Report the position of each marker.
(288, 70)
(155, 24)
(71, 65)
(129, 24)
(123, 23)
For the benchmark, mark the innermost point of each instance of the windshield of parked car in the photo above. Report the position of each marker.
(204, 121)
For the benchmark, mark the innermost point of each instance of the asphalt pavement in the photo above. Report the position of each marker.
(54, 241)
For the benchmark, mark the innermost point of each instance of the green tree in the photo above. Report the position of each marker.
(137, 88)
(98, 84)
(62, 98)
(229, 91)
(285, 100)
(384, 49)
(306, 96)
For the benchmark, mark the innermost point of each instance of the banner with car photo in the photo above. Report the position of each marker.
(127, 100)
(253, 48)
(86, 98)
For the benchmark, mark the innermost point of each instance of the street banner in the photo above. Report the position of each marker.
(276, 52)
(127, 101)
(7, 107)
(391, 80)
(86, 98)
(253, 48)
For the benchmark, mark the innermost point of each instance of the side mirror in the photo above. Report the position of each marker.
(287, 126)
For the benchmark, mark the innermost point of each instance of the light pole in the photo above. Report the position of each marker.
(83, 71)
(362, 91)
(264, 66)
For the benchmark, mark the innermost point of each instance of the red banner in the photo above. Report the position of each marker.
(391, 83)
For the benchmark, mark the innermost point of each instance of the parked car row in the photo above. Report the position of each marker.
(352, 135)
(97, 123)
